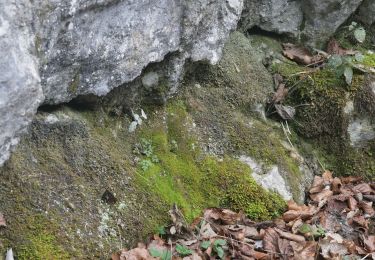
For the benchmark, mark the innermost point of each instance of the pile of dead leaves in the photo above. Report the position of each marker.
(337, 223)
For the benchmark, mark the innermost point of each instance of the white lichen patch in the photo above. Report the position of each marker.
(270, 179)
(360, 132)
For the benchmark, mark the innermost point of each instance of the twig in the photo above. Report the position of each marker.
(365, 257)
(286, 135)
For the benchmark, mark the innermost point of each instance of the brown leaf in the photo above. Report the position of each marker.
(300, 54)
(334, 48)
(324, 194)
(284, 248)
(369, 243)
(317, 185)
(306, 251)
(327, 177)
(2, 220)
(367, 208)
(290, 236)
(363, 188)
(226, 216)
(336, 185)
(350, 179)
(352, 203)
(280, 94)
(270, 241)
(361, 221)
(296, 225)
(138, 253)
(332, 249)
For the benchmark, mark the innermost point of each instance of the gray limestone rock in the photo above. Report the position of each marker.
(366, 12)
(324, 17)
(64, 49)
(20, 89)
(279, 16)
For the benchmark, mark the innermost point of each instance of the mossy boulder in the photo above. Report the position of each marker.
(337, 119)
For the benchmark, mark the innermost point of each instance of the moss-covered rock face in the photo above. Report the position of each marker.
(336, 118)
(81, 186)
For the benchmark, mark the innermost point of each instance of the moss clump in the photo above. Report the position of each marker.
(40, 242)
(321, 118)
(369, 60)
(184, 175)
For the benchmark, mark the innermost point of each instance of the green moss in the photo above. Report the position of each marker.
(40, 242)
(369, 60)
(322, 120)
(195, 181)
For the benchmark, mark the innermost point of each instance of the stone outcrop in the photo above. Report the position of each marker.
(279, 16)
(90, 47)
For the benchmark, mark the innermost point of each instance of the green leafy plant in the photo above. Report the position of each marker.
(163, 255)
(343, 65)
(205, 244)
(359, 32)
(145, 165)
(183, 250)
(218, 247)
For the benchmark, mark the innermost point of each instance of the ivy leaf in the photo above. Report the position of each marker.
(220, 242)
(305, 228)
(183, 250)
(167, 255)
(359, 57)
(360, 34)
(155, 253)
(335, 61)
(205, 244)
(220, 252)
(348, 73)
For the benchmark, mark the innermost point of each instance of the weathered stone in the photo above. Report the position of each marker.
(91, 47)
(20, 89)
(366, 12)
(323, 18)
(279, 16)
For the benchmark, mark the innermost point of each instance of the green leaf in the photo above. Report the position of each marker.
(352, 26)
(305, 228)
(360, 34)
(205, 244)
(335, 61)
(348, 73)
(359, 57)
(167, 255)
(220, 252)
(183, 250)
(220, 242)
(155, 253)
(161, 230)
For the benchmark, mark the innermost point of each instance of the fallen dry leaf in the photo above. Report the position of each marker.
(333, 47)
(324, 194)
(300, 54)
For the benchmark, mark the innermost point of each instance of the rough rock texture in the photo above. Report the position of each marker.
(366, 12)
(279, 16)
(323, 18)
(20, 91)
(90, 47)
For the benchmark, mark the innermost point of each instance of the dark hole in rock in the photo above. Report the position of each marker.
(108, 197)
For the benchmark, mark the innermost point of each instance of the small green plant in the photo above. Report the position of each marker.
(145, 164)
(183, 250)
(146, 147)
(163, 255)
(218, 247)
(343, 65)
(358, 31)
(205, 244)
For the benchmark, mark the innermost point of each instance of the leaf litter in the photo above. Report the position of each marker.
(336, 223)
